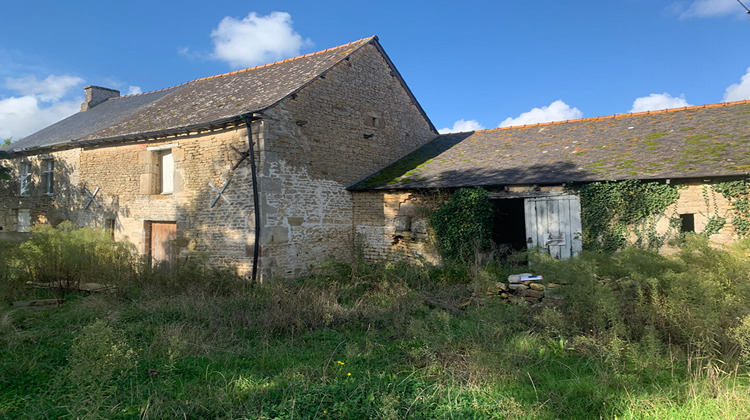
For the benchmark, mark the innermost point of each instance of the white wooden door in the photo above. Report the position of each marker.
(554, 224)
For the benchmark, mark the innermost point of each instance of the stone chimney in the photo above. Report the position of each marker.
(96, 95)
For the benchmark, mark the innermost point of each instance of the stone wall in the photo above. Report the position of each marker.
(127, 199)
(338, 130)
(702, 202)
(126, 176)
(395, 225)
(43, 208)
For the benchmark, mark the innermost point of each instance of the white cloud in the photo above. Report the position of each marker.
(24, 115)
(708, 8)
(255, 39)
(51, 89)
(39, 104)
(134, 90)
(461, 126)
(739, 91)
(657, 101)
(556, 111)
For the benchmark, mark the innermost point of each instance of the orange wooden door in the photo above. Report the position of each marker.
(163, 235)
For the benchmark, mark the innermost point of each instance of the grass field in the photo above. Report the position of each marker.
(639, 336)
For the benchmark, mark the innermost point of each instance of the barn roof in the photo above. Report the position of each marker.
(200, 102)
(697, 141)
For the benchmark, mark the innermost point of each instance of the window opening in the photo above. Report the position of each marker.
(48, 176)
(24, 176)
(24, 220)
(687, 222)
(166, 164)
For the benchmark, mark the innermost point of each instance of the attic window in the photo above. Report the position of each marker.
(374, 119)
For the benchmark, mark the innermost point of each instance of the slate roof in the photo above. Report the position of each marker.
(200, 102)
(690, 142)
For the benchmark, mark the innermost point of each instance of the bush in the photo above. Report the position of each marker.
(694, 302)
(464, 224)
(69, 256)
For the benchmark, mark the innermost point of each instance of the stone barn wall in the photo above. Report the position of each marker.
(339, 129)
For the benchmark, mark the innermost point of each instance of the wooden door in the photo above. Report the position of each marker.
(554, 224)
(163, 236)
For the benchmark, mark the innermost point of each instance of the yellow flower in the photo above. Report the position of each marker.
(349, 374)
(340, 362)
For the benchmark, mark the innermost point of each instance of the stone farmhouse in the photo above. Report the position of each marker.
(173, 171)
(275, 168)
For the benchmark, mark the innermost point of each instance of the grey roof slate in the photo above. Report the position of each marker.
(198, 102)
(702, 141)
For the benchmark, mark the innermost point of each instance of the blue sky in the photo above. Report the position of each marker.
(471, 64)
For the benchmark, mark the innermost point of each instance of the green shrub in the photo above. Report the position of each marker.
(693, 302)
(464, 224)
(70, 256)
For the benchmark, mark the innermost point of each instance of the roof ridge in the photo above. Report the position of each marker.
(373, 37)
(283, 61)
(630, 114)
(146, 93)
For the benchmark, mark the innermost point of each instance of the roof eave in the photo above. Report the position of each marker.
(223, 123)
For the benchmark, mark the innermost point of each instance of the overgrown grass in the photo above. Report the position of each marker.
(640, 336)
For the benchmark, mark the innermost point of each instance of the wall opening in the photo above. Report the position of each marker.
(687, 223)
(510, 231)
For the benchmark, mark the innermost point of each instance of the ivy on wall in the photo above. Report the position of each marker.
(738, 195)
(714, 221)
(464, 224)
(613, 211)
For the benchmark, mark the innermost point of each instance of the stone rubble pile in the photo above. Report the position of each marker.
(525, 287)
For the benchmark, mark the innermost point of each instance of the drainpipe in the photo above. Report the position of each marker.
(256, 201)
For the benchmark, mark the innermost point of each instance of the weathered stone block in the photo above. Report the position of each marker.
(402, 223)
(295, 221)
(532, 293)
(419, 226)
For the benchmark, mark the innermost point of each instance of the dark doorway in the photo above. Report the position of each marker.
(510, 224)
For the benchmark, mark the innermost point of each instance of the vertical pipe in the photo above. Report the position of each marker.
(256, 200)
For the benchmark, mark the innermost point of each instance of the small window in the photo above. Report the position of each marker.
(24, 220)
(24, 177)
(374, 119)
(687, 223)
(166, 172)
(48, 176)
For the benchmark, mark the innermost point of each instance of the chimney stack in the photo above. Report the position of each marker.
(96, 95)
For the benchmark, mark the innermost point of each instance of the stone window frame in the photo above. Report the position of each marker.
(159, 154)
(24, 178)
(48, 176)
